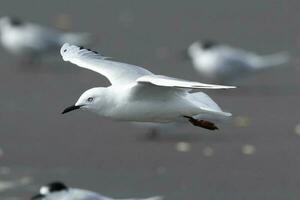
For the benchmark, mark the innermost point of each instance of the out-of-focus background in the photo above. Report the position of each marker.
(254, 156)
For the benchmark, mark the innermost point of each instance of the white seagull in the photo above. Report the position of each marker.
(224, 64)
(32, 41)
(138, 95)
(59, 191)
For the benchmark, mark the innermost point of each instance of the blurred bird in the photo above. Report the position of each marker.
(32, 41)
(224, 64)
(136, 94)
(59, 191)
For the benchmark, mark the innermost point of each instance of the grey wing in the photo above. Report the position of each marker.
(75, 194)
(52, 39)
(234, 63)
(41, 39)
(238, 57)
(163, 87)
(170, 82)
(142, 91)
(80, 194)
(159, 87)
(150, 198)
(238, 64)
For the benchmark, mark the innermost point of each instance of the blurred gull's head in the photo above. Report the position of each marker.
(10, 21)
(207, 44)
(199, 47)
(50, 188)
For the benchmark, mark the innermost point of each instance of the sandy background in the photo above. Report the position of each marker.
(256, 156)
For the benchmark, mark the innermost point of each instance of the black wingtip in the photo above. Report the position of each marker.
(82, 47)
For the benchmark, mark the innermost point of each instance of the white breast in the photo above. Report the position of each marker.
(13, 41)
(207, 64)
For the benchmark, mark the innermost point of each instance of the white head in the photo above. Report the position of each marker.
(91, 99)
(50, 188)
(196, 48)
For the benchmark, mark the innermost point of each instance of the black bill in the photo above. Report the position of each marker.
(70, 108)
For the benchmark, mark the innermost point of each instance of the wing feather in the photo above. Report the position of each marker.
(117, 73)
(165, 81)
(121, 73)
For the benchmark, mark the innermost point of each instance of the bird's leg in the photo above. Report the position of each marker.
(202, 123)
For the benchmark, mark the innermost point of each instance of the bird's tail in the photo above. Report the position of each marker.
(76, 38)
(150, 198)
(209, 108)
(155, 198)
(272, 60)
(214, 116)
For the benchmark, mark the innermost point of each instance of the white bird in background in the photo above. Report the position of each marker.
(59, 191)
(32, 41)
(136, 94)
(224, 64)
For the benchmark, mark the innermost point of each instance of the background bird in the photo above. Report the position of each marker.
(59, 191)
(31, 41)
(222, 63)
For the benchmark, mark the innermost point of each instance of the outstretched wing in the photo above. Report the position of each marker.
(117, 73)
(165, 81)
(150, 198)
(163, 87)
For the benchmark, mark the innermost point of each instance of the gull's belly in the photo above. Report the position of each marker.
(156, 111)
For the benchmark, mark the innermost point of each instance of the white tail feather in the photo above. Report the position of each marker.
(273, 60)
(155, 198)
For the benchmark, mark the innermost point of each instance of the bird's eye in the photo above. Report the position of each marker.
(90, 99)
